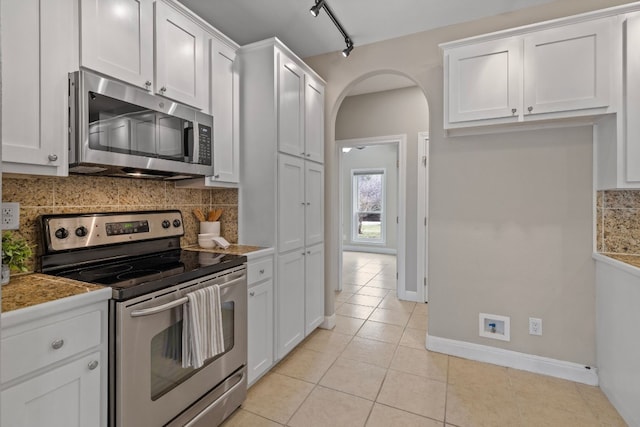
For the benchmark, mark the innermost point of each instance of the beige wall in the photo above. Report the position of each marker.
(45, 195)
(510, 214)
(394, 112)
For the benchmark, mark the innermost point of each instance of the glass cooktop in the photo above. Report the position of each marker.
(136, 276)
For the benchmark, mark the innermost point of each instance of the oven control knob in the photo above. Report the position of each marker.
(166, 223)
(62, 233)
(176, 223)
(81, 231)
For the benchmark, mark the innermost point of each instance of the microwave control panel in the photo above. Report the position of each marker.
(204, 144)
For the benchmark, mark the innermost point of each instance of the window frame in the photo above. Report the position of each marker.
(354, 206)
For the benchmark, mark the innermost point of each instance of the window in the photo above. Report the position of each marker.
(368, 206)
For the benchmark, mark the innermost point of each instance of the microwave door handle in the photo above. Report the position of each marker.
(178, 302)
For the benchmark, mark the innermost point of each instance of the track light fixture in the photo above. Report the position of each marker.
(315, 11)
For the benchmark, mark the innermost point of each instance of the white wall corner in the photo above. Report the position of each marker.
(329, 322)
(512, 359)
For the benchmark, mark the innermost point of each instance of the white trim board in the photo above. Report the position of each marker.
(369, 249)
(512, 359)
(329, 322)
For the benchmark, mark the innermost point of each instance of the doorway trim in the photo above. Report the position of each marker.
(401, 142)
(422, 250)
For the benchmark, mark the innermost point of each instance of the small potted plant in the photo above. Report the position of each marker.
(15, 254)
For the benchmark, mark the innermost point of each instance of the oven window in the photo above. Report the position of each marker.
(166, 354)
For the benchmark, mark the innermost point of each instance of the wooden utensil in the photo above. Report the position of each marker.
(199, 215)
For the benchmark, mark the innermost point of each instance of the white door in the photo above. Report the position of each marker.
(37, 53)
(180, 71)
(117, 39)
(68, 396)
(314, 287)
(290, 307)
(314, 196)
(260, 329)
(291, 203)
(567, 68)
(224, 85)
(314, 120)
(484, 81)
(290, 107)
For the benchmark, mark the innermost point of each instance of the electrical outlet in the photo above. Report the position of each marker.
(535, 326)
(10, 216)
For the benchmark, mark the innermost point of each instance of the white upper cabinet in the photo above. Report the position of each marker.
(117, 39)
(179, 49)
(290, 107)
(291, 203)
(121, 39)
(38, 40)
(224, 83)
(314, 196)
(527, 74)
(314, 119)
(567, 68)
(485, 80)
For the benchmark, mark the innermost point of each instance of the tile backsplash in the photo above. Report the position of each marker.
(77, 194)
(618, 221)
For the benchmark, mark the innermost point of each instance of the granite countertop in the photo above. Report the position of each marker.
(233, 249)
(633, 260)
(26, 290)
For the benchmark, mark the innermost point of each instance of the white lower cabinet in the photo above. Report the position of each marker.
(68, 396)
(260, 317)
(54, 368)
(314, 287)
(290, 307)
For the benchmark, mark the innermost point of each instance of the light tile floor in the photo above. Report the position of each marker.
(373, 369)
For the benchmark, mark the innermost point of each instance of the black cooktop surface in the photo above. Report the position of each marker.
(136, 276)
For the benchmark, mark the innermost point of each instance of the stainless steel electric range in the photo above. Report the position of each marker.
(138, 255)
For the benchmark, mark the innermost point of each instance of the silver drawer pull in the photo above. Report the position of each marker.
(57, 344)
(262, 271)
(92, 365)
(252, 293)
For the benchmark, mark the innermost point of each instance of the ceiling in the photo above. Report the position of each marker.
(366, 21)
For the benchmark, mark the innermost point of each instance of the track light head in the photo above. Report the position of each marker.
(315, 9)
(348, 49)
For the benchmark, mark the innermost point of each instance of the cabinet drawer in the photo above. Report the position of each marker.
(260, 270)
(44, 345)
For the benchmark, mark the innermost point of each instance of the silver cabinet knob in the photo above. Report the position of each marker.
(303, 253)
(163, 89)
(530, 109)
(514, 110)
(302, 154)
(216, 176)
(252, 293)
(53, 157)
(57, 344)
(308, 203)
(147, 84)
(303, 203)
(92, 365)
(308, 252)
(262, 271)
(308, 155)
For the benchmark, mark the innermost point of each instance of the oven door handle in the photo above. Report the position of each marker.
(180, 301)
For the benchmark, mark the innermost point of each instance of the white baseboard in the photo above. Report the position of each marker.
(513, 359)
(408, 296)
(329, 322)
(370, 249)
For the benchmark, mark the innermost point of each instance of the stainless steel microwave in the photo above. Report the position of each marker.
(118, 130)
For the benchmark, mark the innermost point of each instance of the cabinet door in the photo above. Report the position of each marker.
(224, 106)
(117, 39)
(180, 71)
(290, 107)
(291, 203)
(484, 81)
(260, 329)
(291, 301)
(68, 396)
(314, 119)
(314, 288)
(37, 53)
(314, 209)
(632, 99)
(567, 68)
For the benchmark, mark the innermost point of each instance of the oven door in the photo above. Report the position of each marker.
(149, 387)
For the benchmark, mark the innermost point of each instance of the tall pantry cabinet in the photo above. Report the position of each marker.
(282, 175)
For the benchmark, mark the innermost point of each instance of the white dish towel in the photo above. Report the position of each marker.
(202, 334)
